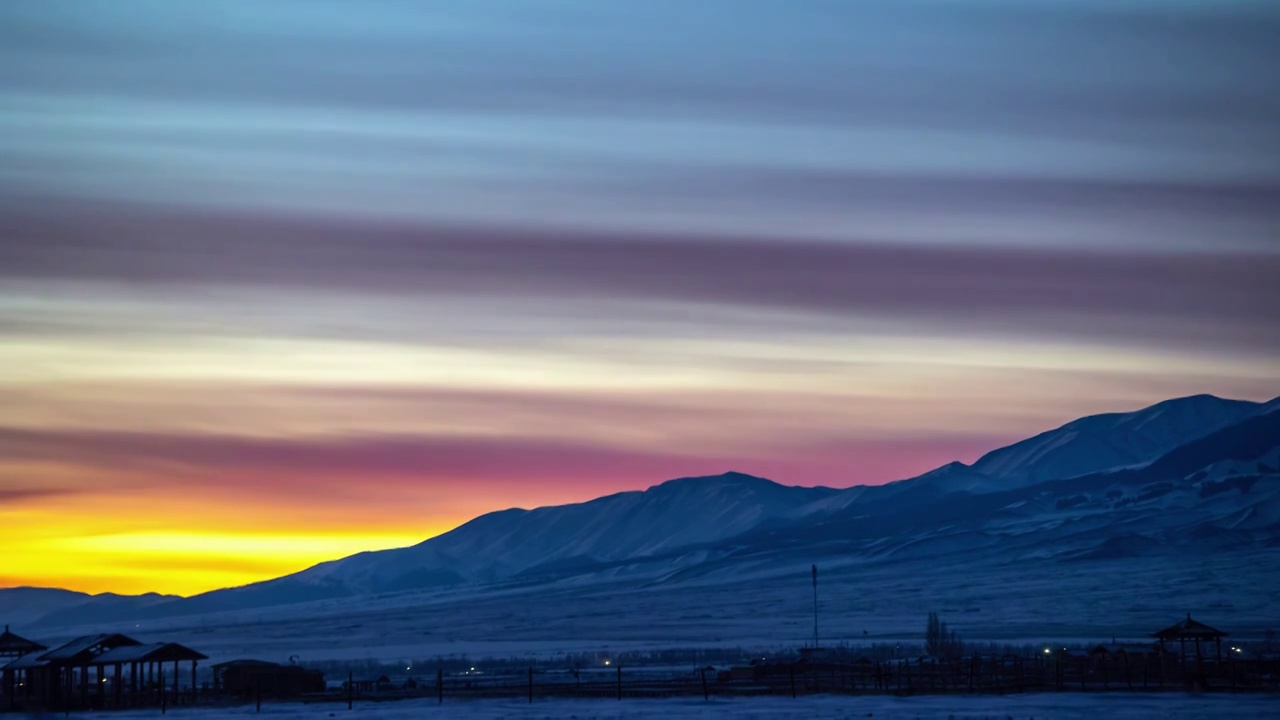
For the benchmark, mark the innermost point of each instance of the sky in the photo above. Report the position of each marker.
(283, 281)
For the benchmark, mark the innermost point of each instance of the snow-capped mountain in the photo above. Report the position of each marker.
(629, 525)
(1217, 493)
(1088, 445)
(1100, 442)
(1200, 473)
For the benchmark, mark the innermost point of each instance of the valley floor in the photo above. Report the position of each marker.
(1064, 706)
(1016, 602)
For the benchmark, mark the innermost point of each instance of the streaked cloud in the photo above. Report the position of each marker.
(372, 268)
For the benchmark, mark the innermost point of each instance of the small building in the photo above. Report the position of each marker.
(1131, 649)
(371, 684)
(247, 678)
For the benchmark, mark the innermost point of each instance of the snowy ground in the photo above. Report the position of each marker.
(1020, 602)
(1064, 706)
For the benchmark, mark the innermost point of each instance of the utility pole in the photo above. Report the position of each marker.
(815, 606)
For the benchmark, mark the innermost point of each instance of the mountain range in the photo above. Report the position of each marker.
(1191, 475)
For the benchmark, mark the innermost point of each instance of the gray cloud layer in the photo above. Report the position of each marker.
(1130, 123)
(1179, 299)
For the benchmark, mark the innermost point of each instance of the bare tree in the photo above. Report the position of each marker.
(939, 641)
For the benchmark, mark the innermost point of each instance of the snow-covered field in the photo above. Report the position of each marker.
(1063, 706)
(1020, 602)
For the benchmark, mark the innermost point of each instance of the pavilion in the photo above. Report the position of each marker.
(76, 673)
(1195, 631)
(13, 647)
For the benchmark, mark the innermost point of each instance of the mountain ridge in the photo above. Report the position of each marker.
(687, 523)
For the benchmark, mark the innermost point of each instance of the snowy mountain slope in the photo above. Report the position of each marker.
(612, 530)
(1091, 444)
(25, 605)
(678, 513)
(1270, 407)
(1220, 492)
(1100, 442)
(1216, 489)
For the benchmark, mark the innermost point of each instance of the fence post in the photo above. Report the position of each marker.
(531, 686)
(351, 688)
(619, 681)
(793, 680)
(705, 694)
(439, 686)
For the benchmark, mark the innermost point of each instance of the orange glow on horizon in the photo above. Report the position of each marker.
(142, 537)
(97, 544)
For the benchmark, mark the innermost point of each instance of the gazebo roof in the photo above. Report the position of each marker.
(26, 662)
(157, 652)
(88, 647)
(1189, 630)
(13, 645)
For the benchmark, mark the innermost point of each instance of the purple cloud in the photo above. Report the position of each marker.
(1225, 302)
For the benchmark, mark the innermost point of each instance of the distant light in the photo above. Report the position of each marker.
(473, 669)
(408, 668)
(606, 662)
(1046, 651)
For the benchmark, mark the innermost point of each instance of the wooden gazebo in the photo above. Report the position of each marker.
(1195, 631)
(13, 647)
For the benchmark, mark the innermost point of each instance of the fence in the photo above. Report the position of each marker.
(976, 674)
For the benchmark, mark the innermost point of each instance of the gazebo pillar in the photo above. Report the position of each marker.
(193, 679)
(175, 680)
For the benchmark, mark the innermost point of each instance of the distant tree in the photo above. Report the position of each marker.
(939, 641)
